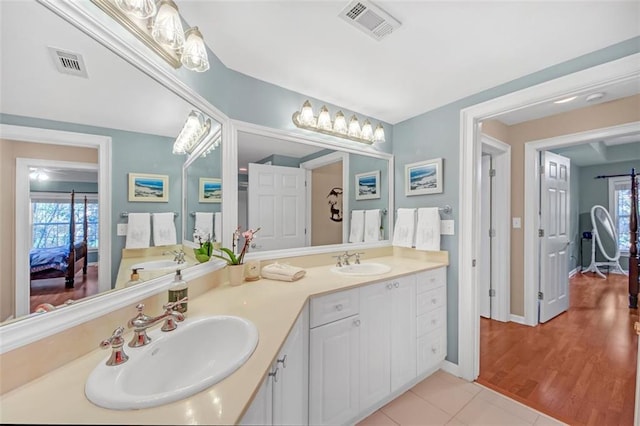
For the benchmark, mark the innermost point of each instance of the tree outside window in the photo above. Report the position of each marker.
(51, 218)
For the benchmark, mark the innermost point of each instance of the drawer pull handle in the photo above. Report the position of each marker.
(339, 307)
(396, 284)
(283, 361)
(356, 323)
(389, 286)
(274, 374)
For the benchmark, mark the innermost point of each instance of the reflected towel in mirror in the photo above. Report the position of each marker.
(372, 220)
(164, 230)
(428, 229)
(404, 231)
(204, 225)
(356, 235)
(138, 230)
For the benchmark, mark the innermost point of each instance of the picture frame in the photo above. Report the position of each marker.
(148, 188)
(423, 177)
(367, 185)
(210, 190)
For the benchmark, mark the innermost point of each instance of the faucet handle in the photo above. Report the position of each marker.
(357, 255)
(172, 317)
(171, 306)
(338, 261)
(115, 342)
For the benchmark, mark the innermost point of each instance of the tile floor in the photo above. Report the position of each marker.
(443, 399)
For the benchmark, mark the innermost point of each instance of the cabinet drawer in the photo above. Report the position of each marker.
(428, 280)
(431, 321)
(432, 349)
(334, 306)
(432, 299)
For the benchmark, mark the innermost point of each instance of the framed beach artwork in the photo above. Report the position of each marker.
(368, 185)
(423, 177)
(210, 190)
(148, 188)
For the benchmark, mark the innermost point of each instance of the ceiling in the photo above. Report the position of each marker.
(604, 151)
(253, 148)
(443, 51)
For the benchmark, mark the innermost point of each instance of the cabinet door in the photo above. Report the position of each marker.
(290, 385)
(333, 372)
(260, 410)
(403, 331)
(375, 341)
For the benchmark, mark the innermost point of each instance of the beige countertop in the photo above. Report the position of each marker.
(273, 306)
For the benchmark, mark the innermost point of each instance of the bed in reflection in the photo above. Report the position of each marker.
(64, 261)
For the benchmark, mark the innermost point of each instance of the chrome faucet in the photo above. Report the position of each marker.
(141, 322)
(115, 342)
(343, 259)
(178, 255)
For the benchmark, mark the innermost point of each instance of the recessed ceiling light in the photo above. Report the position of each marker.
(242, 169)
(565, 100)
(595, 96)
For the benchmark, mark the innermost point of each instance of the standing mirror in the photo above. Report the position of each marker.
(606, 239)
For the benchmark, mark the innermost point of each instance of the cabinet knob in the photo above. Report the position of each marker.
(433, 321)
(356, 322)
(396, 284)
(389, 286)
(339, 307)
(434, 350)
(274, 374)
(283, 361)
(434, 301)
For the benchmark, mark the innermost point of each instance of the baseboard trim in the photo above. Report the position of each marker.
(450, 367)
(517, 318)
(575, 271)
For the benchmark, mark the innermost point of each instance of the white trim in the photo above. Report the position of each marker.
(451, 368)
(613, 183)
(517, 319)
(574, 271)
(625, 69)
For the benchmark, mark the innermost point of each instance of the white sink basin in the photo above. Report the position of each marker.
(176, 364)
(362, 269)
(156, 265)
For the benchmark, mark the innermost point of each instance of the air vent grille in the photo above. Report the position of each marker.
(68, 62)
(369, 19)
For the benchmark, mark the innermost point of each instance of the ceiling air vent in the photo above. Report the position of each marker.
(68, 62)
(370, 19)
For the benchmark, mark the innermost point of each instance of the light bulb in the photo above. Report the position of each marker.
(354, 127)
(306, 115)
(340, 123)
(378, 135)
(167, 27)
(324, 119)
(191, 132)
(367, 131)
(194, 55)
(141, 9)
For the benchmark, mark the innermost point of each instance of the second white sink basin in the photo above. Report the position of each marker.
(176, 364)
(369, 268)
(157, 265)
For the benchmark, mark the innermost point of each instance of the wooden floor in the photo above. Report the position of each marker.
(580, 367)
(52, 290)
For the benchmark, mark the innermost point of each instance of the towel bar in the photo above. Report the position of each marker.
(126, 214)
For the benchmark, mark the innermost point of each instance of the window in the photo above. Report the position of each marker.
(620, 209)
(51, 213)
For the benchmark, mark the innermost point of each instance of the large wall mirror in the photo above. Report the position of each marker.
(99, 94)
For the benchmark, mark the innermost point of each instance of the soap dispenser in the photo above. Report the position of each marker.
(135, 278)
(178, 291)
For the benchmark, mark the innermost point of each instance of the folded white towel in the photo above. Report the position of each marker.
(428, 229)
(204, 225)
(282, 272)
(164, 229)
(372, 225)
(404, 231)
(138, 231)
(356, 234)
(217, 227)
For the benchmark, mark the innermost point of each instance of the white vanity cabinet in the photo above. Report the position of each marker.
(387, 338)
(282, 398)
(431, 302)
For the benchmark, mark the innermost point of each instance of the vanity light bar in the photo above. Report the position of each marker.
(305, 119)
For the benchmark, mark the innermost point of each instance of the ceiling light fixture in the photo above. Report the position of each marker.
(595, 96)
(38, 174)
(565, 100)
(159, 26)
(194, 131)
(305, 119)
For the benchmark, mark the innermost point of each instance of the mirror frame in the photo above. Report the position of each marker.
(100, 27)
(230, 180)
(596, 231)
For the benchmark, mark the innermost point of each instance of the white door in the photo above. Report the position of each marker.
(276, 204)
(554, 236)
(333, 372)
(484, 275)
(403, 331)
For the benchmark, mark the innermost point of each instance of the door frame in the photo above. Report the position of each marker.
(590, 79)
(320, 162)
(501, 214)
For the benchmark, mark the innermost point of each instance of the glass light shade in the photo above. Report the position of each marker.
(190, 133)
(340, 123)
(367, 131)
(142, 9)
(306, 115)
(378, 135)
(324, 119)
(167, 27)
(354, 127)
(194, 54)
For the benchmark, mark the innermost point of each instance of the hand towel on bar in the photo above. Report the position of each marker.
(138, 230)
(372, 225)
(404, 231)
(428, 229)
(356, 234)
(204, 225)
(164, 229)
(282, 272)
(217, 227)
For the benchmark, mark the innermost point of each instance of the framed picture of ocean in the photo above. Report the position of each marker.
(368, 185)
(423, 177)
(210, 190)
(148, 188)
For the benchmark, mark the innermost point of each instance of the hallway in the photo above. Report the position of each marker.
(579, 367)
